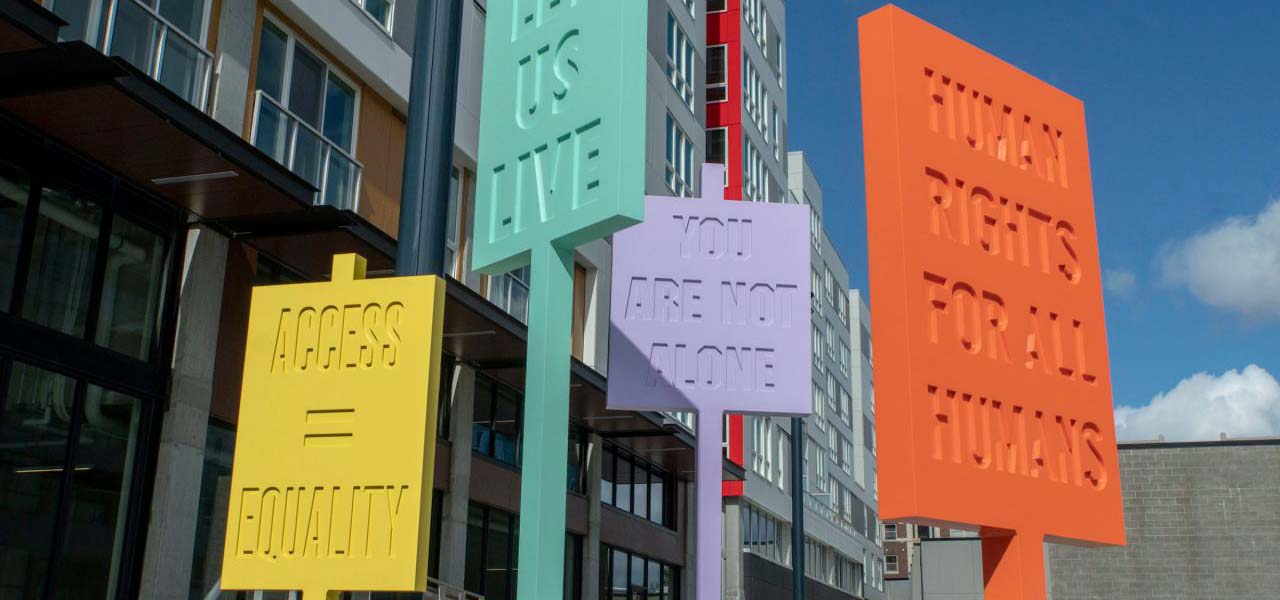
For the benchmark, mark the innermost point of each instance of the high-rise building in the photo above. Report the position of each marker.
(746, 90)
(842, 554)
(158, 158)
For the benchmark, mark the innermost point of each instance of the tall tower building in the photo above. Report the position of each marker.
(746, 99)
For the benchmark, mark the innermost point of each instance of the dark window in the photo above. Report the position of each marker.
(493, 547)
(572, 567)
(87, 256)
(627, 576)
(717, 74)
(715, 5)
(717, 146)
(634, 485)
(868, 433)
(497, 421)
(15, 195)
(211, 526)
(577, 459)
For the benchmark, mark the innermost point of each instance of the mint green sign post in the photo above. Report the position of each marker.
(562, 141)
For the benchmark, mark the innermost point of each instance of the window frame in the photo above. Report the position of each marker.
(723, 50)
(389, 27)
(292, 40)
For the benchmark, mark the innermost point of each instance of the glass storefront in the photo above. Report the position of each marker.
(84, 275)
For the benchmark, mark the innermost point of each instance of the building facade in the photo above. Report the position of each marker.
(842, 554)
(746, 120)
(158, 159)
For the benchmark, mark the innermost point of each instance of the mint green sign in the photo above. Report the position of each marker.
(562, 141)
(562, 126)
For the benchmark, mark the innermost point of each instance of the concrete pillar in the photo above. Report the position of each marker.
(689, 587)
(453, 518)
(166, 567)
(236, 20)
(591, 544)
(733, 549)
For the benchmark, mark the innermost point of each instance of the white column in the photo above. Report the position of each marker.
(166, 567)
(453, 518)
(591, 543)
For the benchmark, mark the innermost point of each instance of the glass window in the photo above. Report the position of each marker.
(452, 228)
(306, 86)
(482, 416)
(618, 580)
(607, 476)
(715, 6)
(624, 480)
(637, 578)
(272, 48)
(306, 116)
(131, 289)
(499, 576)
(475, 568)
(679, 155)
(718, 147)
(717, 74)
(657, 499)
(62, 262)
(339, 113)
(211, 526)
(15, 189)
(379, 11)
(640, 501)
(34, 426)
(101, 476)
(506, 427)
(510, 291)
(680, 62)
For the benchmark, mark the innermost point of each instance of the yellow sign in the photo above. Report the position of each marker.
(335, 450)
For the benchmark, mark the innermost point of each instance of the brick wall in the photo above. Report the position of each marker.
(1202, 521)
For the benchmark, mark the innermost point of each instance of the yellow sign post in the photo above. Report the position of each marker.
(335, 449)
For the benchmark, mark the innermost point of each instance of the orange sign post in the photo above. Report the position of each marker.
(993, 391)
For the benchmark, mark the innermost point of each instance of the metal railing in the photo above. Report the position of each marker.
(438, 590)
(137, 33)
(297, 145)
(687, 419)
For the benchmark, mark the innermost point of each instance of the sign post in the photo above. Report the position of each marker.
(993, 390)
(561, 163)
(335, 450)
(710, 313)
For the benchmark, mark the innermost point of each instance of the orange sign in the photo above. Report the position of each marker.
(993, 392)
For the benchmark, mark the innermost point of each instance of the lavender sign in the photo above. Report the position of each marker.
(710, 313)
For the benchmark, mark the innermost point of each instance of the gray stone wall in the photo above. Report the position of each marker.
(1202, 521)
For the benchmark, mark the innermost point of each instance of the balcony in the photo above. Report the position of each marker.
(136, 32)
(297, 145)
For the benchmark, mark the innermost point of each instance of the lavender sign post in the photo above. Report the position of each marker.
(710, 313)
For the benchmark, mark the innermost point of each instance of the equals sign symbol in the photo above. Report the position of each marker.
(329, 428)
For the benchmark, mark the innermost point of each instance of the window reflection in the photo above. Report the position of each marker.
(626, 576)
(634, 485)
(62, 258)
(102, 473)
(131, 289)
(14, 194)
(34, 427)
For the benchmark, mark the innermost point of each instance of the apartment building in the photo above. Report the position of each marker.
(843, 557)
(158, 159)
(746, 89)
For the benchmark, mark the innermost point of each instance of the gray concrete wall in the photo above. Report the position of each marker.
(1202, 521)
(950, 569)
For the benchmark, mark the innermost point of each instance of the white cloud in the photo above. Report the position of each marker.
(1119, 281)
(1242, 403)
(1235, 265)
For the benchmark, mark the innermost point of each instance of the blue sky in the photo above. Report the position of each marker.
(1182, 101)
